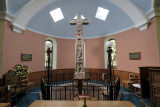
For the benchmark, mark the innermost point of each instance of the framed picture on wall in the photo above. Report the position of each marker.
(135, 56)
(26, 57)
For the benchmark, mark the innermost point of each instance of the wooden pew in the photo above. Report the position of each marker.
(17, 84)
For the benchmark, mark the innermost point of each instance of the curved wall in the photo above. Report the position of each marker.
(65, 53)
(132, 40)
(94, 53)
(27, 42)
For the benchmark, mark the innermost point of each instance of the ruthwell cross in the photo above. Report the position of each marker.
(79, 66)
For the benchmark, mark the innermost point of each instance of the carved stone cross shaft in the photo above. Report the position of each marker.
(79, 67)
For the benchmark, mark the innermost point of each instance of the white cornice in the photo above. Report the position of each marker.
(17, 28)
(9, 17)
(144, 25)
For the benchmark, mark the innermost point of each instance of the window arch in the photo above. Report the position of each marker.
(53, 54)
(114, 59)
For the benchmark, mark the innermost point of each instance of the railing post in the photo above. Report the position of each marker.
(110, 72)
(94, 77)
(65, 92)
(70, 76)
(51, 92)
(60, 93)
(48, 92)
(93, 91)
(98, 93)
(63, 78)
(70, 93)
(56, 93)
(56, 79)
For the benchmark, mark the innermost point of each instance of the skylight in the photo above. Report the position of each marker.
(81, 17)
(102, 13)
(57, 14)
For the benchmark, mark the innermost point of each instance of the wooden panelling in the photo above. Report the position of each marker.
(96, 70)
(63, 70)
(124, 75)
(36, 76)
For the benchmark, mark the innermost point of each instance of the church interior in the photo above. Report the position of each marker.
(80, 53)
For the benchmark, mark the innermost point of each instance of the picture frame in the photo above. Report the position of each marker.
(26, 57)
(135, 56)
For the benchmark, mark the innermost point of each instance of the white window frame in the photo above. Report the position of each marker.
(54, 63)
(105, 52)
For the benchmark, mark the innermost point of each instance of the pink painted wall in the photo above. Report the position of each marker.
(94, 49)
(137, 41)
(27, 42)
(94, 53)
(65, 53)
(132, 40)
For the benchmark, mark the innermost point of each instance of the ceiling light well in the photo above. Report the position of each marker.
(102, 13)
(57, 14)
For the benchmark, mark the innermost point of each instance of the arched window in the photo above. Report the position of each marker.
(114, 59)
(53, 56)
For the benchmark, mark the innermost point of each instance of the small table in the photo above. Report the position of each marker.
(84, 97)
(4, 104)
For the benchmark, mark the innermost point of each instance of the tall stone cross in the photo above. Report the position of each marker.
(79, 66)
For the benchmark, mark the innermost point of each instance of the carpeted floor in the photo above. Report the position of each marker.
(33, 95)
(28, 99)
(127, 96)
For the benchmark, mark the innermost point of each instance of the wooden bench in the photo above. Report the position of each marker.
(132, 80)
(17, 84)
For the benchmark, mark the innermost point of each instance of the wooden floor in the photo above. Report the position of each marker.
(4, 104)
(42, 103)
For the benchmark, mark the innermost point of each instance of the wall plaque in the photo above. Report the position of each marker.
(26, 57)
(135, 56)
